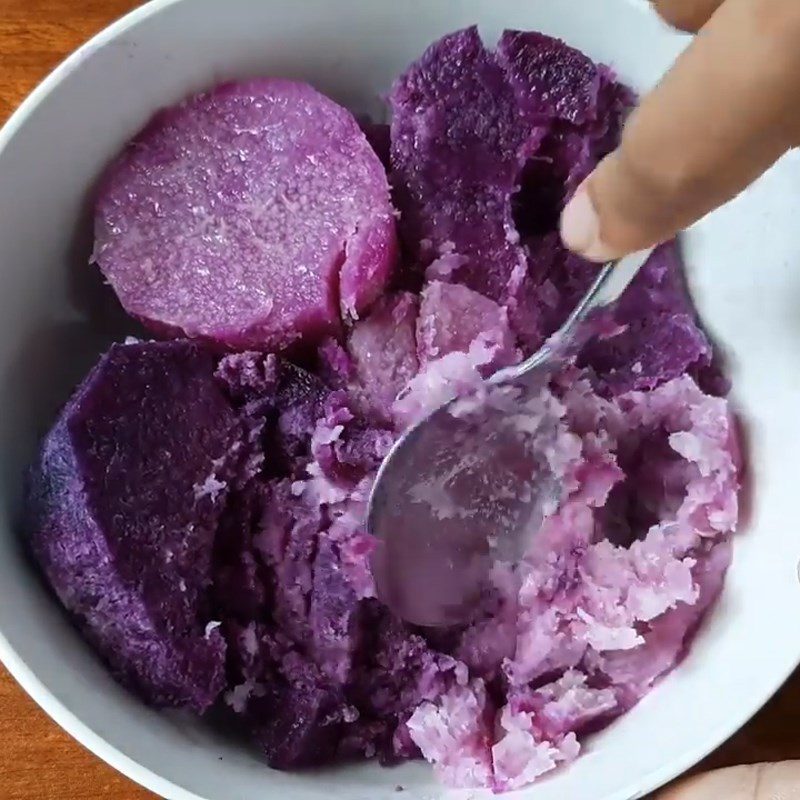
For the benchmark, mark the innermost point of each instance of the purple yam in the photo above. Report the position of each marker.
(348, 446)
(457, 138)
(557, 83)
(384, 350)
(252, 215)
(578, 106)
(659, 334)
(661, 337)
(333, 614)
(287, 541)
(294, 713)
(299, 720)
(453, 317)
(241, 585)
(335, 366)
(552, 80)
(288, 398)
(123, 506)
(554, 283)
(395, 670)
(488, 146)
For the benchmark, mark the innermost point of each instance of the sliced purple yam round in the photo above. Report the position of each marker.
(253, 215)
(123, 506)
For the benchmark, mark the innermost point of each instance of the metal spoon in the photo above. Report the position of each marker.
(464, 489)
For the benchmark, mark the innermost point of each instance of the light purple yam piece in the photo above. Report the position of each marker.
(384, 350)
(453, 317)
(252, 215)
(123, 506)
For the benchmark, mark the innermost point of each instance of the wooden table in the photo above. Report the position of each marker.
(38, 761)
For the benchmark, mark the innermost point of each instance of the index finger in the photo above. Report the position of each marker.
(725, 113)
(687, 15)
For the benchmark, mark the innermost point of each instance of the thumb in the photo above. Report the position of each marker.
(756, 782)
(724, 114)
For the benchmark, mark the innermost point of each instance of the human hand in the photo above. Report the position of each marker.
(728, 109)
(756, 782)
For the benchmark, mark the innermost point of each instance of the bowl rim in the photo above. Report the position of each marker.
(17, 668)
(72, 724)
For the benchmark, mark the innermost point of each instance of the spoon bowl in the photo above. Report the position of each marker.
(468, 486)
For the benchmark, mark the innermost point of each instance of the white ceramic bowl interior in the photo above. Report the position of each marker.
(744, 265)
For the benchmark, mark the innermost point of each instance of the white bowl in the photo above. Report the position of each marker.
(744, 266)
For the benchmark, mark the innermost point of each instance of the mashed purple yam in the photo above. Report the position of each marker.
(484, 149)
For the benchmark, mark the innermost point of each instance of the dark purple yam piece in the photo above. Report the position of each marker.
(252, 215)
(578, 106)
(287, 537)
(661, 337)
(488, 146)
(327, 675)
(242, 586)
(457, 139)
(349, 446)
(556, 82)
(288, 685)
(286, 397)
(123, 506)
(554, 283)
(396, 670)
(551, 79)
(299, 720)
(293, 712)
(659, 334)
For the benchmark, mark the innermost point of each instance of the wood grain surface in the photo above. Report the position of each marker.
(38, 761)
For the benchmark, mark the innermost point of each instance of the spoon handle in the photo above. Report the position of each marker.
(611, 281)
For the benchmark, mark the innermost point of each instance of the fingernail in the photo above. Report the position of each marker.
(580, 228)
